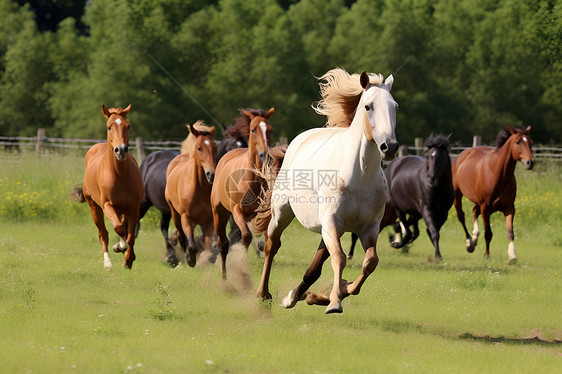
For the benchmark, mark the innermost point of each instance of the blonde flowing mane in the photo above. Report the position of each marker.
(189, 142)
(340, 94)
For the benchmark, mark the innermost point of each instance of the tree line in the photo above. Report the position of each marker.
(461, 66)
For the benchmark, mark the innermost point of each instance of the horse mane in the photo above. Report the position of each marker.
(241, 127)
(437, 141)
(259, 220)
(189, 142)
(340, 94)
(502, 137)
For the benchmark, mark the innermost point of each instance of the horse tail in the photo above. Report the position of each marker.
(77, 194)
(259, 221)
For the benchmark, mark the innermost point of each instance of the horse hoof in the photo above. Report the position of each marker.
(289, 301)
(395, 245)
(190, 261)
(512, 261)
(334, 308)
(172, 261)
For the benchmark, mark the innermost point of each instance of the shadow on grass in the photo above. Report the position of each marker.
(502, 339)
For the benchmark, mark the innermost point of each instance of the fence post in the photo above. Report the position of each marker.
(476, 141)
(140, 150)
(403, 151)
(40, 137)
(418, 144)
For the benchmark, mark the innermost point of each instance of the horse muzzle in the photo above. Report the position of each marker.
(121, 152)
(389, 149)
(528, 164)
(210, 176)
(261, 156)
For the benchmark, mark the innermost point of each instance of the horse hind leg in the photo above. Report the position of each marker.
(510, 236)
(369, 241)
(461, 217)
(487, 230)
(476, 230)
(311, 275)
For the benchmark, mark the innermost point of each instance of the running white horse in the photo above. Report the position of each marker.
(332, 180)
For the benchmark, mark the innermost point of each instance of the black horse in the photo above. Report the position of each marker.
(422, 187)
(153, 172)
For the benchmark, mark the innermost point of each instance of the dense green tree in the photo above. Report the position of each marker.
(461, 66)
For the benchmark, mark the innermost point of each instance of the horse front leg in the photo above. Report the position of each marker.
(97, 215)
(131, 223)
(510, 235)
(433, 232)
(220, 219)
(281, 218)
(310, 276)
(191, 249)
(331, 236)
(208, 232)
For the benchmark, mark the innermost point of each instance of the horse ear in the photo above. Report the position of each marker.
(212, 130)
(449, 136)
(511, 130)
(105, 111)
(527, 129)
(269, 113)
(193, 130)
(389, 81)
(125, 111)
(250, 115)
(364, 79)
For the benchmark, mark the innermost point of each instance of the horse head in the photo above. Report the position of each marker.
(117, 130)
(380, 110)
(260, 132)
(521, 146)
(206, 149)
(438, 162)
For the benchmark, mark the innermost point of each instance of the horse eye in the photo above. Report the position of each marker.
(109, 128)
(254, 130)
(367, 108)
(199, 149)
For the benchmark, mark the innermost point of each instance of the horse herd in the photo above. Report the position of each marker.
(331, 179)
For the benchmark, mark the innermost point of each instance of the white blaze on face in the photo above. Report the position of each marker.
(207, 143)
(433, 153)
(525, 139)
(118, 121)
(263, 127)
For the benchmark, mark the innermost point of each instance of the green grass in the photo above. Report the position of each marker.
(62, 312)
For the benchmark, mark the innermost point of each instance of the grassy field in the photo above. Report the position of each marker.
(61, 312)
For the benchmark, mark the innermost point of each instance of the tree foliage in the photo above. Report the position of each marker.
(461, 66)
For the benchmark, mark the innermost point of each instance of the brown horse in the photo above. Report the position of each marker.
(188, 188)
(485, 176)
(237, 187)
(113, 185)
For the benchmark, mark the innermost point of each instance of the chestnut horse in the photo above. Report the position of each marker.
(237, 187)
(113, 185)
(188, 186)
(485, 176)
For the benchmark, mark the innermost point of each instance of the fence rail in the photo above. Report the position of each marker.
(42, 143)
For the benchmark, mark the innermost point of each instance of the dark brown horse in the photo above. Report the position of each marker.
(485, 175)
(113, 185)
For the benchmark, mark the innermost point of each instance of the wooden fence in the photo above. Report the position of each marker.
(42, 143)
